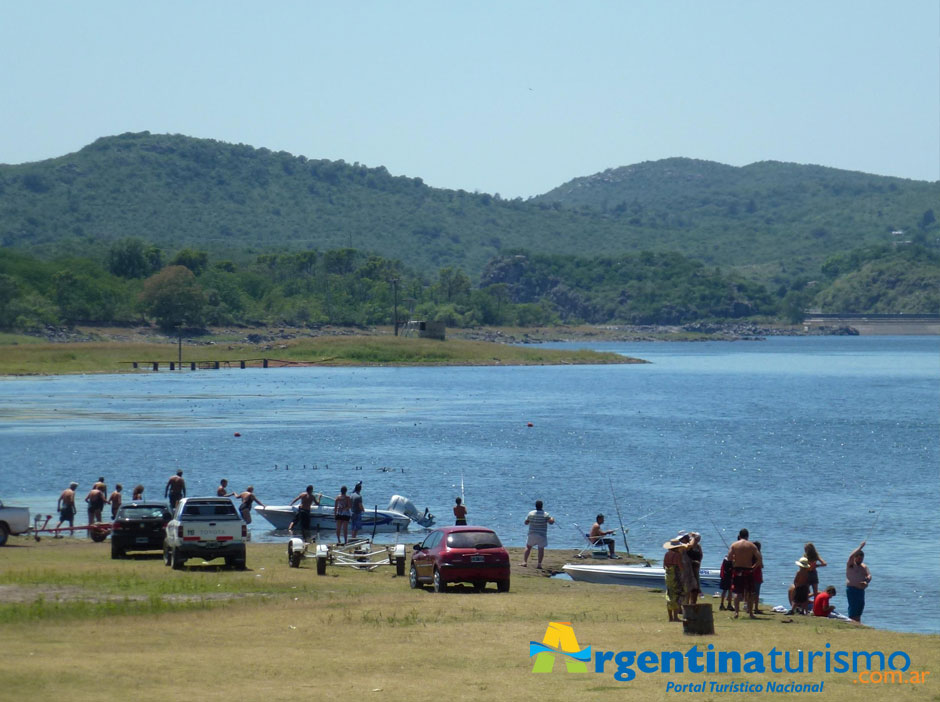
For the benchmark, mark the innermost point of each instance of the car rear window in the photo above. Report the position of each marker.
(214, 510)
(473, 539)
(143, 513)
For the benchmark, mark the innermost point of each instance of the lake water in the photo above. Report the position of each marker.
(823, 439)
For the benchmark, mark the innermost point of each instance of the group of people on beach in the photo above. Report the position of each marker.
(742, 575)
(347, 512)
(96, 499)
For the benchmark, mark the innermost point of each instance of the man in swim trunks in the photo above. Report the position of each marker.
(744, 557)
(248, 498)
(307, 499)
(857, 578)
(175, 489)
(96, 501)
(222, 490)
(355, 520)
(115, 500)
(342, 511)
(66, 508)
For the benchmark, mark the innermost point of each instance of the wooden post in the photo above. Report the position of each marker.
(156, 366)
(264, 362)
(192, 366)
(242, 363)
(215, 365)
(698, 619)
(135, 364)
(172, 365)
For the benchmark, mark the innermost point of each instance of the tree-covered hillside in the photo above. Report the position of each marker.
(770, 221)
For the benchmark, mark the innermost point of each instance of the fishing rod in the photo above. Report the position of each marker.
(650, 514)
(873, 526)
(719, 533)
(617, 507)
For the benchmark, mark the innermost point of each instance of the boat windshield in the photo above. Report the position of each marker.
(473, 539)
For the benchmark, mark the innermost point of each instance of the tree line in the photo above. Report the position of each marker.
(135, 282)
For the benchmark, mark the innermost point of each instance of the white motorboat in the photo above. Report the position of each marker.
(635, 575)
(396, 517)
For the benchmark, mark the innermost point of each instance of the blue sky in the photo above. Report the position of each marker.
(508, 97)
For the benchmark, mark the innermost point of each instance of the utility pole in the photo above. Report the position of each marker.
(395, 295)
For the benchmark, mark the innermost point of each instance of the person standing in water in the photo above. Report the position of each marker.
(248, 498)
(857, 579)
(342, 511)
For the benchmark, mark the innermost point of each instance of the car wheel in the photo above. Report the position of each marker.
(116, 551)
(4, 534)
(98, 532)
(502, 585)
(413, 578)
(175, 561)
(439, 584)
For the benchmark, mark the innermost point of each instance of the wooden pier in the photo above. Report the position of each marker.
(217, 365)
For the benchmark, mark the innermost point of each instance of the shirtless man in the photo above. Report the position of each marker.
(857, 579)
(744, 557)
(115, 501)
(307, 499)
(175, 489)
(100, 485)
(248, 498)
(222, 490)
(66, 509)
(598, 535)
(96, 500)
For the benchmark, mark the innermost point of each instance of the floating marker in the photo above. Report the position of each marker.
(530, 424)
(237, 434)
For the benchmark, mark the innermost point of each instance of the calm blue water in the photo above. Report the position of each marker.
(823, 439)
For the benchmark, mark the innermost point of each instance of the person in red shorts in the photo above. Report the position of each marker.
(744, 557)
(821, 606)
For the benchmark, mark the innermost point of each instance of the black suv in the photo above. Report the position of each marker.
(139, 526)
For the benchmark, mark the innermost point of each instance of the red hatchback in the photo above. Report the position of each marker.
(467, 554)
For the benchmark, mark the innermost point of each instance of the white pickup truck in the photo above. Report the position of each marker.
(206, 528)
(13, 520)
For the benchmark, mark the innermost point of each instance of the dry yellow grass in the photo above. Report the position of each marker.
(281, 634)
(115, 356)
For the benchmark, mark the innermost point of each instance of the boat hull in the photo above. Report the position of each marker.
(635, 576)
(321, 519)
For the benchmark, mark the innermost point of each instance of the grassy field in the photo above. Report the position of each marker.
(18, 357)
(76, 625)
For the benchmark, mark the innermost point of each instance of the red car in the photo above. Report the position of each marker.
(455, 554)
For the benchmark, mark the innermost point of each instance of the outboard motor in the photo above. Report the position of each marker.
(407, 507)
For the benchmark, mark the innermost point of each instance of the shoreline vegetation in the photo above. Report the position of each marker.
(114, 349)
(69, 614)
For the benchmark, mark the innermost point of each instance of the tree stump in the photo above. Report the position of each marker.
(698, 619)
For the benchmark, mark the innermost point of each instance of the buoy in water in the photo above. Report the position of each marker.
(237, 434)
(530, 424)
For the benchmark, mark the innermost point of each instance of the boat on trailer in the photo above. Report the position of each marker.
(634, 575)
(397, 517)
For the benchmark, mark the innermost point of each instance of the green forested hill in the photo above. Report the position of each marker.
(770, 221)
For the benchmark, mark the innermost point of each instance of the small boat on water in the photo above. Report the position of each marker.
(398, 516)
(635, 575)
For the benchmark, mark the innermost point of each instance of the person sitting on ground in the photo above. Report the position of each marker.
(460, 513)
(821, 606)
(799, 590)
(599, 535)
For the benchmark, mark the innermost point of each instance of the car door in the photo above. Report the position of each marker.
(424, 563)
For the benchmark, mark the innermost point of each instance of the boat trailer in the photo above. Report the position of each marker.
(98, 531)
(360, 554)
